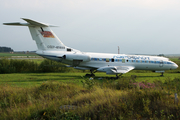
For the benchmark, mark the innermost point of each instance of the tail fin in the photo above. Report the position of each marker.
(43, 35)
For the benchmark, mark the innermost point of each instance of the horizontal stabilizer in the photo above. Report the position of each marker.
(17, 24)
(30, 23)
(35, 23)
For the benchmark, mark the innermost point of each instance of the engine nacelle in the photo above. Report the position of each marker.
(81, 57)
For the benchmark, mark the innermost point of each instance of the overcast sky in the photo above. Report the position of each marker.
(136, 26)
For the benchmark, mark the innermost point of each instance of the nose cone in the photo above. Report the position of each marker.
(175, 66)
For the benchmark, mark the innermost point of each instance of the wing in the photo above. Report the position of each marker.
(115, 69)
(122, 69)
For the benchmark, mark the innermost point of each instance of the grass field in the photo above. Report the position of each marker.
(35, 79)
(17, 54)
(73, 96)
(70, 96)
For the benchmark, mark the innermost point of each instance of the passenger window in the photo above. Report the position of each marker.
(123, 60)
(126, 60)
(112, 60)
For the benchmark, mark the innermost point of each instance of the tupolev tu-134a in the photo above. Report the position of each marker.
(49, 46)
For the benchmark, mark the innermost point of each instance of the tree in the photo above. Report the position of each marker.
(6, 49)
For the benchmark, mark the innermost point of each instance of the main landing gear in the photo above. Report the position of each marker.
(92, 73)
(162, 74)
(117, 76)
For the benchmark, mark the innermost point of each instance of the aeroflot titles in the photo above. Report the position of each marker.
(132, 57)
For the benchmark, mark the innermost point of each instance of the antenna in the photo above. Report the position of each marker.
(118, 49)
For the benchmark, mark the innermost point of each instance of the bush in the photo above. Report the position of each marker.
(25, 66)
(52, 66)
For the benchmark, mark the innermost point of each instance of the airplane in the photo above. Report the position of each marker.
(50, 47)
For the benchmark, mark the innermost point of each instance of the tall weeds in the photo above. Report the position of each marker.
(54, 100)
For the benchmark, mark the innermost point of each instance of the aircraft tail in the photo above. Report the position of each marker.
(43, 35)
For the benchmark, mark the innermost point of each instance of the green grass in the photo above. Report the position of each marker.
(43, 96)
(34, 79)
(174, 58)
(17, 54)
(38, 61)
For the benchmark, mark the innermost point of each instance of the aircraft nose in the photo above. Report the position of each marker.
(175, 66)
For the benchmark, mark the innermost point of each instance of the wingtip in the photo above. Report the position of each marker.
(23, 18)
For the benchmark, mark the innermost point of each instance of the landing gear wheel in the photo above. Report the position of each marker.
(92, 73)
(117, 76)
(162, 75)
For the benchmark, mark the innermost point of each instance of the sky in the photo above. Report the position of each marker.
(136, 26)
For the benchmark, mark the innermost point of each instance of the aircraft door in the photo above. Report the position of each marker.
(161, 64)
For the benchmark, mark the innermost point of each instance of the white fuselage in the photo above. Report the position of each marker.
(98, 60)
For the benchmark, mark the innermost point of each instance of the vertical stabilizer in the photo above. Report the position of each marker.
(46, 39)
(43, 35)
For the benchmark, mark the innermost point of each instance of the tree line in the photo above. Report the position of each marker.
(6, 49)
